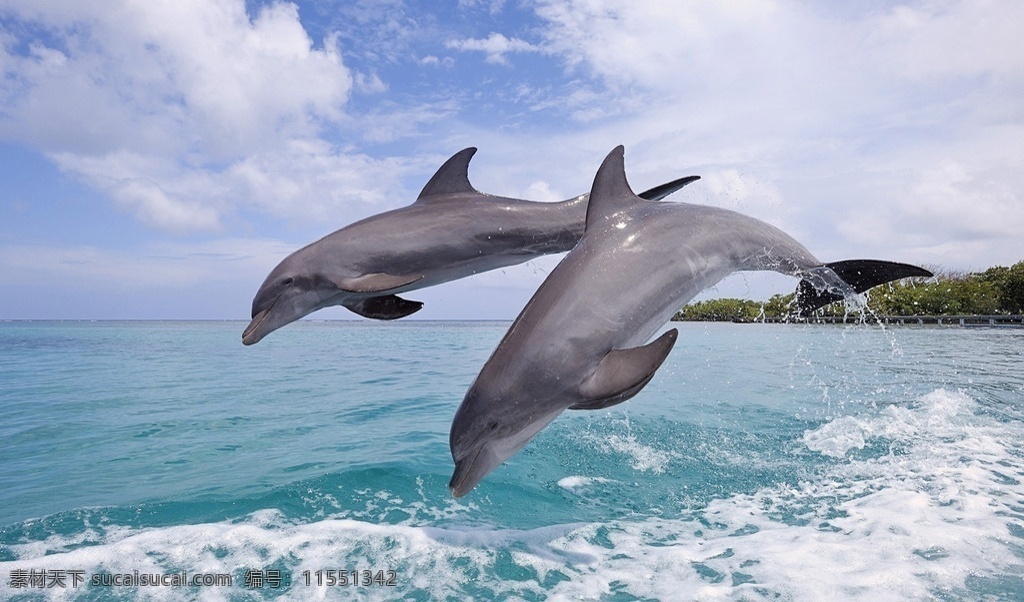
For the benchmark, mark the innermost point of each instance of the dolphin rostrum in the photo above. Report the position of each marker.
(580, 342)
(450, 232)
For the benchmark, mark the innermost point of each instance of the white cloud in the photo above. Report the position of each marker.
(309, 181)
(371, 83)
(162, 266)
(541, 191)
(154, 102)
(224, 83)
(433, 61)
(967, 200)
(963, 213)
(494, 6)
(953, 38)
(836, 118)
(211, 279)
(157, 190)
(303, 181)
(738, 191)
(495, 46)
(783, 68)
(389, 122)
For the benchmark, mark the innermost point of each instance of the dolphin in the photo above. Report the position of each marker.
(450, 232)
(580, 342)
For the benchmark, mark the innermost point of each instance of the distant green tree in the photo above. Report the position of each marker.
(1010, 283)
(780, 306)
(997, 290)
(720, 310)
(946, 294)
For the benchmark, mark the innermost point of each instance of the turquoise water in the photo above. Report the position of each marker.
(763, 462)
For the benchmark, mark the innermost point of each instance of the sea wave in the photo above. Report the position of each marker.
(921, 500)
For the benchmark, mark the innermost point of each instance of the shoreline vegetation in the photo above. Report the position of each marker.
(994, 296)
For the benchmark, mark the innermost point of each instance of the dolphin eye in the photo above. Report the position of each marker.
(287, 281)
(493, 425)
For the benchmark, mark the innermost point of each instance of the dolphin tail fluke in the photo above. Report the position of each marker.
(622, 373)
(837, 280)
(389, 307)
(659, 192)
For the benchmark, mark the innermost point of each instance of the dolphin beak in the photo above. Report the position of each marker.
(459, 485)
(469, 471)
(252, 334)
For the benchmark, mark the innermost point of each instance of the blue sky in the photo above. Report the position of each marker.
(158, 158)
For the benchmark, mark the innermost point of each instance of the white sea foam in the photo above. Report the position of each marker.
(936, 517)
(939, 414)
(644, 458)
(579, 482)
(936, 513)
(425, 558)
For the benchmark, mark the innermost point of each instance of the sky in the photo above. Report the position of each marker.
(159, 157)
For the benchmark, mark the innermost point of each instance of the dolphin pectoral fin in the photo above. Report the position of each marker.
(659, 192)
(376, 283)
(821, 287)
(622, 373)
(388, 307)
(608, 402)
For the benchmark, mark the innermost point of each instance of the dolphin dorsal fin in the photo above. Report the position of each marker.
(611, 192)
(623, 372)
(451, 178)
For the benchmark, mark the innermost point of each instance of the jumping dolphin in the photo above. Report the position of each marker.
(450, 232)
(579, 342)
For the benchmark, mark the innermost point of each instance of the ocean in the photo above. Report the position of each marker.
(165, 461)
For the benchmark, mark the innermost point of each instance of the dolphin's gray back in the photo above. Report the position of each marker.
(620, 285)
(456, 237)
(675, 251)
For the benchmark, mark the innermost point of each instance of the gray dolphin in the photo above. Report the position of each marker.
(580, 341)
(450, 232)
